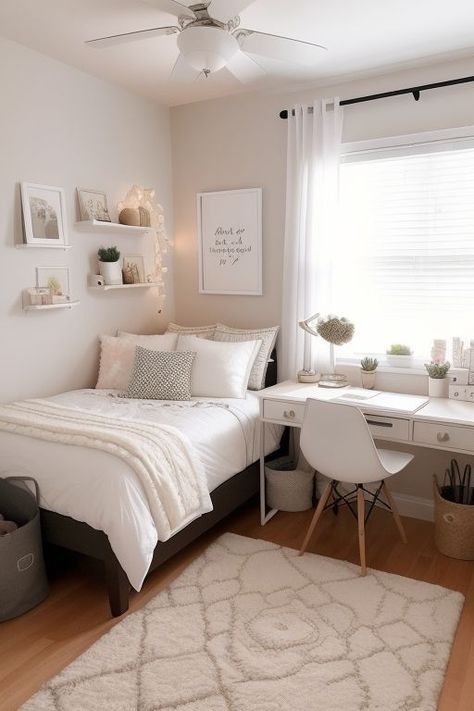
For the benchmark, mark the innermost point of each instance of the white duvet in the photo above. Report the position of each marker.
(102, 490)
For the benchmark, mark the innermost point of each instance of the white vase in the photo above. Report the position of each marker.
(438, 387)
(399, 361)
(111, 271)
(368, 379)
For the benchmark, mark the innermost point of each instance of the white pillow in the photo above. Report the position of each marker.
(219, 369)
(162, 342)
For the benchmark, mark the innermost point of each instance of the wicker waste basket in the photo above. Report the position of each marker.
(288, 488)
(454, 527)
(23, 582)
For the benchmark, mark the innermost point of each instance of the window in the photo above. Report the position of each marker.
(404, 269)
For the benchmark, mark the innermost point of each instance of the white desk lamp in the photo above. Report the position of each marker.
(334, 330)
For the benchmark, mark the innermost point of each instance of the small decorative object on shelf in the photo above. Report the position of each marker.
(368, 368)
(438, 382)
(137, 217)
(54, 284)
(400, 355)
(334, 330)
(109, 265)
(133, 270)
(93, 205)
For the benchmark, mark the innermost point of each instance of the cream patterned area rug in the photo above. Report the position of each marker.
(250, 626)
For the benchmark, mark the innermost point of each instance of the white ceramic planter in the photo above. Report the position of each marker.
(438, 387)
(368, 379)
(400, 361)
(111, 271)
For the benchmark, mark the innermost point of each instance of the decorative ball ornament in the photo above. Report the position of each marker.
(335, 330)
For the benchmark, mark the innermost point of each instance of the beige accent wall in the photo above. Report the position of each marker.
(240, 142)
(59, 126)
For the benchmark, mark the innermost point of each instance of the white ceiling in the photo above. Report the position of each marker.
(362, 36)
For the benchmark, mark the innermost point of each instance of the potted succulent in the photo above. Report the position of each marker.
(438, 381)
(368, 367)
(109, 265)
(399, 355)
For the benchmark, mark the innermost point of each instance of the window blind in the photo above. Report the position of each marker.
(404, 270)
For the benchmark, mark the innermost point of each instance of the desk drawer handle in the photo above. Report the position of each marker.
(380, 424)
(442, 437)
(289, 414)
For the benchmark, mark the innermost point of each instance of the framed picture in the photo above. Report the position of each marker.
(93, 205)
(56, 281)
(133, 270)
(44, 214)
(230, 242)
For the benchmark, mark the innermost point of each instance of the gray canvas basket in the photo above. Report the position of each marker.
(23, 582)
(288, 488)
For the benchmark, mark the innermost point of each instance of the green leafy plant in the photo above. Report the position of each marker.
(108, 254)
(438, 370)
(399, 349)
(369, 364)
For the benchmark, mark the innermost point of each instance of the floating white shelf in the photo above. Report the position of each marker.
(144, 285)
(44, 307)
(110, 228)
(43, 246)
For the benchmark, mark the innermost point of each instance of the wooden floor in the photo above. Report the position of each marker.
(39, 644)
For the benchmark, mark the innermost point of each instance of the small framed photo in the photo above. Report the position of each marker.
(44, 214)
(133, 270)
(93, 205)
(56, 281)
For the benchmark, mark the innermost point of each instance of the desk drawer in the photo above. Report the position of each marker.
(446, 436)
(283, 411)
(388, 427)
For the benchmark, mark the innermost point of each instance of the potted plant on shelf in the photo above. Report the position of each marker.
(438, 381)
(109, 265)
(399, 355)
(368, 367)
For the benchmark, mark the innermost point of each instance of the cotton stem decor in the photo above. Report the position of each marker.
(144, 201)
(336, 331)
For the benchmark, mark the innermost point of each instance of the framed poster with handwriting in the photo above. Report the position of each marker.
(230, 242)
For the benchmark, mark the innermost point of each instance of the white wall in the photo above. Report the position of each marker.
(240, 142)
(61, 127)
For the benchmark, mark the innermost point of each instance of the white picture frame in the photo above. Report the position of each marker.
(93, 205)
(230, 242)
(44, 215)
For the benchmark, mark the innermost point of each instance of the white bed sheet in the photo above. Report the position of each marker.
(101, 489)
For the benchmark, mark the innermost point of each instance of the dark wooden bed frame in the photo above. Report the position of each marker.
(77, 536)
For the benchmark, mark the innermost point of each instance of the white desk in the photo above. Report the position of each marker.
(439, 423)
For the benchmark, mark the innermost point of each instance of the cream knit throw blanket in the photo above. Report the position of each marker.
(163, 459)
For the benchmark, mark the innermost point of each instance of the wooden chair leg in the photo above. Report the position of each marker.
(361, 527)
(396, 515)
(319, 509)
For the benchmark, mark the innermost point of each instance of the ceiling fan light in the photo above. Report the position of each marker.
(207, 48)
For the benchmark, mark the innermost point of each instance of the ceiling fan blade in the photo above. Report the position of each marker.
(182, 72)
(173, 7)
(226, 9)
(278, 47)
(244, 68)
(103, 42)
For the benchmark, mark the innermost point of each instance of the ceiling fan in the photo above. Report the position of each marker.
(206, 44)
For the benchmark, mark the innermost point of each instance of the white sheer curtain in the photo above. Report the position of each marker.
(314, 141)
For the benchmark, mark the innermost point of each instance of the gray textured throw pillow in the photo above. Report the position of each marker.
(161, 375)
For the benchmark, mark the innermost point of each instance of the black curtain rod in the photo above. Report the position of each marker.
(415, 90)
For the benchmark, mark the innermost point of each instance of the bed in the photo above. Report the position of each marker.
(93, 504)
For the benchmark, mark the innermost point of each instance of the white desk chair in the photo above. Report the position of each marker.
(336, 441)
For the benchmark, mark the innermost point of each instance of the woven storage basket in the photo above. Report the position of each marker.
(288, 488)
(454, 527)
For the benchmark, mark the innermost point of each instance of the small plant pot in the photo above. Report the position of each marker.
(111, 271)
(438, 387)
(400, 361)
(368, 379)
